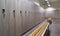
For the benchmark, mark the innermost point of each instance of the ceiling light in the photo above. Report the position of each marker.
(36, 3)
(49, 5)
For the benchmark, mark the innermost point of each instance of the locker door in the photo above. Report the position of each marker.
(29, 25)
(12, 18)
(24, 20)
(7, 18)
(18, 17)
(23, 17)
(1, 24)
(33, 18)
(30, 19)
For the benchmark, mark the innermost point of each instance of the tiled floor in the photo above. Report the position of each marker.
(55, 28)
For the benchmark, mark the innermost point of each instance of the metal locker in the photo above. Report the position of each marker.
(6, 20)
(30, 18)
(1, 19)
(12, 18)
(24, 20)
(34, 18)
(30, 23)
(24, 17)
(27, 20)
(19, 18)
(21, 21)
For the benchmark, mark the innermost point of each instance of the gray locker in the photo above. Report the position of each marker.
(1, 22)
(12, 18)
(25, 20)
(6, 20)
(18, 18)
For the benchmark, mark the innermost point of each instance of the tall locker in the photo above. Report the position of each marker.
(1, 22)
(12, 18)
(6, 19)
(30, 18)
(26, 20)
(35, 17)
(23, 21)
(18, 17)
(33, 13)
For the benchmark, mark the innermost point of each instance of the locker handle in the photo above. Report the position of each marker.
(14, 13)
(21, 13)
(25, 13)
(3, 12)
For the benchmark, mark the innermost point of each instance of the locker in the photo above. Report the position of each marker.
(1, 22)
(27, 20)
(6, 20)
(29, 23)
(32, 18)
(24, 21)
(12, 18)
(25, 24)
(19, 18)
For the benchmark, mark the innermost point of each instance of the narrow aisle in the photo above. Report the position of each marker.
(55, 28)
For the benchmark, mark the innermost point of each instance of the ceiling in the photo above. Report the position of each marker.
(53, 3)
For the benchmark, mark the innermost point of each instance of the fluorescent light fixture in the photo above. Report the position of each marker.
(36, 3)
(46, 0)
(49, 5)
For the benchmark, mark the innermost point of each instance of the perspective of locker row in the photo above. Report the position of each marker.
(16, 18)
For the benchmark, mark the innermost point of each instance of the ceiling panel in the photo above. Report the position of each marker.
(53, 0)
(54, 3)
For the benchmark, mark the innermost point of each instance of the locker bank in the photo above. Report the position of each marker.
(29, 17)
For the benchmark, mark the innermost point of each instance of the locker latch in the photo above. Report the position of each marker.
(3, 12)
(14, 13)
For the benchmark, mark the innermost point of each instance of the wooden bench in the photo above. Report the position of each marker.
(40, 31)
